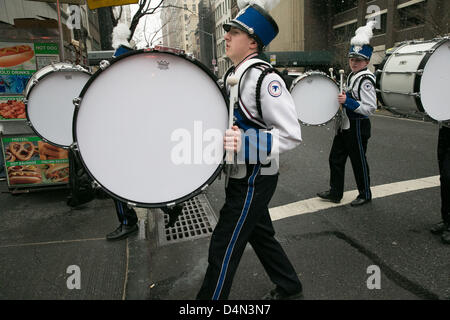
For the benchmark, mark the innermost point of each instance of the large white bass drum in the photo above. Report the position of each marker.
(49, 101)
(415, 77)
(315, 96)
(149, 128)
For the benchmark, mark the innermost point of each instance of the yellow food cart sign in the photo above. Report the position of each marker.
(94, 4)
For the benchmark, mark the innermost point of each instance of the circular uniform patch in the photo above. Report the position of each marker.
(275, 88)
(368, 86)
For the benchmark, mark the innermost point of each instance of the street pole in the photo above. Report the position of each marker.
(61, 39)
(213, 49)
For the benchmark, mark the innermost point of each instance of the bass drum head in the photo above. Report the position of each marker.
(316, 99)
(49, 104)
(434, 86)
(149, 128)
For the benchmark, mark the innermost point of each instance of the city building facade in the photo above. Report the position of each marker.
(80, 25)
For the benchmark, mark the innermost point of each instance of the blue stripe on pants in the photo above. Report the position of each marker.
(229, 251)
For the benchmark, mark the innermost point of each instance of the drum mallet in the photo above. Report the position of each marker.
(331, 73)
(231, 81)
(341, 73)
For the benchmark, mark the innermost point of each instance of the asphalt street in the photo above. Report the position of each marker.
(381, 251)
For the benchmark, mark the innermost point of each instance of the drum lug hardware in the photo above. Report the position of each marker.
(74, 146)
(76, 102)
(29, 124)
(420, 72)
(104, 64)
(204, 188)
(95, 184)
(131, 204)
(171, 205)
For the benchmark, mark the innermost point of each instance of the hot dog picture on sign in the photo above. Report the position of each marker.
(29, 161)
(17, 56)
(17, 65)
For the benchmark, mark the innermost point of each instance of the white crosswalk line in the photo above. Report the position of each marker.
(317, 204)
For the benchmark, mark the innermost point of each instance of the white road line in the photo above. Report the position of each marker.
(317, 204)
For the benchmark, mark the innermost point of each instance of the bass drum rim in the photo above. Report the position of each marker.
(176, 201)
(66, 67)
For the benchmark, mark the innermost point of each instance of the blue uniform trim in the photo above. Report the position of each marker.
(363, 158)
(120, 207)
(351, 103)
(257, 144)
(237, 230)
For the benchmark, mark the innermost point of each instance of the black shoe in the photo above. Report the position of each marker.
(122, 232)
(359, 202)
(328, 196)
(439, 228)
(276, 294)
(445, 237)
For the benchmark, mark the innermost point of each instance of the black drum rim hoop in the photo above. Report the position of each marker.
(33, 86)
(179, 200)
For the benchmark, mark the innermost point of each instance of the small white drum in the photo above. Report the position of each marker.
(415, 77)
(149, 128)
(49, 101)
(316, 98)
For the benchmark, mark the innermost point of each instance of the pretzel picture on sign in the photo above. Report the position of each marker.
(23, 151)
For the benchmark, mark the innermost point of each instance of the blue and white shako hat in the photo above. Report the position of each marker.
(120, 42)
(360, 44)
(255, 20)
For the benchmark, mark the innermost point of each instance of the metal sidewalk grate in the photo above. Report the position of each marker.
(196, 221)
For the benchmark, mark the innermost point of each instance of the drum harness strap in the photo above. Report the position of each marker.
(366, 74)
(239, 170)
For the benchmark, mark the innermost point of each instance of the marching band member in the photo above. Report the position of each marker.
(359, 102)
(443, 228)
(245, 217)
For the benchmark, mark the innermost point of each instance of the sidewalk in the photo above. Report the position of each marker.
(41, 237)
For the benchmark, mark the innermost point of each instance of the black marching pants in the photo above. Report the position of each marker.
(244, 219)
(444, 171)
(126, 216)
(351, 143)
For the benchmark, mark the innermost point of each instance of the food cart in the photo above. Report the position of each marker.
(27, 161)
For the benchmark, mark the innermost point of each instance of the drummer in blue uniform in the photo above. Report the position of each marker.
(443, 228)
(359, 103)
(274, 128)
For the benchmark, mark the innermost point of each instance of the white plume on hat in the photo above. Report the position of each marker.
(265, 4)
(120, 35)
(363, 34)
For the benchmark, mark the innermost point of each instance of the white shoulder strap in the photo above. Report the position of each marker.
(360, 75)
(234, 90)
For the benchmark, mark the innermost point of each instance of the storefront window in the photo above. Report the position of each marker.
(344, 5)
(345, 33)
(412, 16)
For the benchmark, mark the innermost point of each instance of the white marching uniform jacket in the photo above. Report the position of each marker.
(360, 88)
(279, 116)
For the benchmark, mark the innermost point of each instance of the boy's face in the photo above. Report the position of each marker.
(357, 64)
(238, 45)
